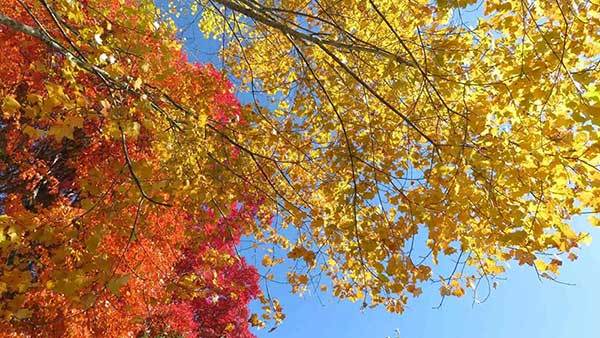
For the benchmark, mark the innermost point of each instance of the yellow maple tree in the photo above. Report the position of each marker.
(471, 126)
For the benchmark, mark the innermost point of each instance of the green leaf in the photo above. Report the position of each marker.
(115, 284)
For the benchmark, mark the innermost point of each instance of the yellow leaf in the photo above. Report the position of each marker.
(9, 106)
(138, 83)
(267, 261)
(23, 313)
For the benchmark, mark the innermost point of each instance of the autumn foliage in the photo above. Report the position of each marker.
(387, 145)
(426, 141)
(84, 252)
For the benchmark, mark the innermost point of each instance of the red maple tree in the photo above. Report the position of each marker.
(90, 253)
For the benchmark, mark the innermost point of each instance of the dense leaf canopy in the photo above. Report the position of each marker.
(381, 137)
(95, 240)
(470, 127)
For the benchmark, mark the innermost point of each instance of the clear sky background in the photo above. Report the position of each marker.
(521, 306)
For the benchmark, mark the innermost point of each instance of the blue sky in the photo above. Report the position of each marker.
(521, 306)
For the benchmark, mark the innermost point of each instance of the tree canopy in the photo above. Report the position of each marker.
(397, 117)
(396, 134)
